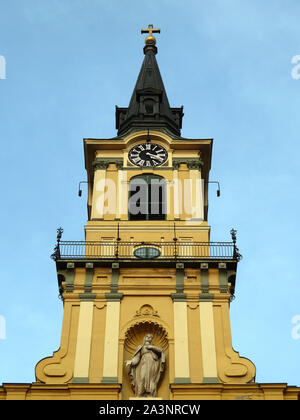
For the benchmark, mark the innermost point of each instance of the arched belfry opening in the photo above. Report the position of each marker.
(147, 197)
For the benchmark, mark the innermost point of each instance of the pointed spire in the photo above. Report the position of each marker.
(149, 106)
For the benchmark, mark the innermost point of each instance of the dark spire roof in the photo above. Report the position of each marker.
(149, 106)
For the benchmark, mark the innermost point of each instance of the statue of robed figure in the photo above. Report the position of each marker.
(146, 367)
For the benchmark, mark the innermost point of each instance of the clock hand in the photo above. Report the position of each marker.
(154, 156)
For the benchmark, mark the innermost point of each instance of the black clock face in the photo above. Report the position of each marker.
(148, 155)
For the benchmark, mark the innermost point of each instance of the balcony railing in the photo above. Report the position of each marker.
(122, 250)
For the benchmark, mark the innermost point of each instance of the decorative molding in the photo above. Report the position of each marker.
(194, 164)
(146, 310)
(179, 278)
(87, 297)
(193, 305)
(210, 381)
(100, 305)
(89, 272)
(70, 265)
(151, 169)
(114, 297)
(178, 297)
(114, 278)
(206, 297)
(69, 276)
(222, 265)
(182, 380)
(191, 163)
(115, 265)
(223, 282)
(176, 165)
(109, 380)
(204, 277)
(102, 163)
(80, 380)
(179, 266)
(119, 164)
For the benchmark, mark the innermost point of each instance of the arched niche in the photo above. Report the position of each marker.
(134, 337)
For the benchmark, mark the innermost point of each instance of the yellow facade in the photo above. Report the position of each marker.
(112, 298)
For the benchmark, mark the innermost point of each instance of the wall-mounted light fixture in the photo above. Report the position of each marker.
(219, 189)
(79, 187)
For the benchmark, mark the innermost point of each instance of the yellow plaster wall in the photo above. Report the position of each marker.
(102, 280)
(97, 343)
(196, 371)
(147, 281)
(79, 280)
(83, 342)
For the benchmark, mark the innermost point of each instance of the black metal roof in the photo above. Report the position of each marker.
(149, 106)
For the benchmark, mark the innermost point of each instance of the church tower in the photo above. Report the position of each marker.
(147, 295)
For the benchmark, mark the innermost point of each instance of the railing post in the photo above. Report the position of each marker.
(56, 253)
(175, 243)
(118, 240)
(236, 255)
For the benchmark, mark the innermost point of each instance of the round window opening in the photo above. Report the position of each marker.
(147, 252)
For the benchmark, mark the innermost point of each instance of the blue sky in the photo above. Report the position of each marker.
(68, 63)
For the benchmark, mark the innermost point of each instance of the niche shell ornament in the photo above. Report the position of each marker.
(148, 155)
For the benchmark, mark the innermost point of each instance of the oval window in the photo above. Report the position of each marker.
(147, 252)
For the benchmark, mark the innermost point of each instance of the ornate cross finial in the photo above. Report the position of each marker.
(150, 31)
(150, 41)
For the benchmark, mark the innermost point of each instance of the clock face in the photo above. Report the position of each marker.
(148, 155)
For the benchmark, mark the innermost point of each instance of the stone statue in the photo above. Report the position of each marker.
(146, 367)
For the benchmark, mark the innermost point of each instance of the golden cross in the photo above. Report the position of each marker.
(150, 30)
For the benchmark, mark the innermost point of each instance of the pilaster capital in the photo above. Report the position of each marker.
(119, 164)
(102, 163)
(195, 164)
(191, 163)
(113, 297)
(176, 164)
(87, 297)
(178, 297)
